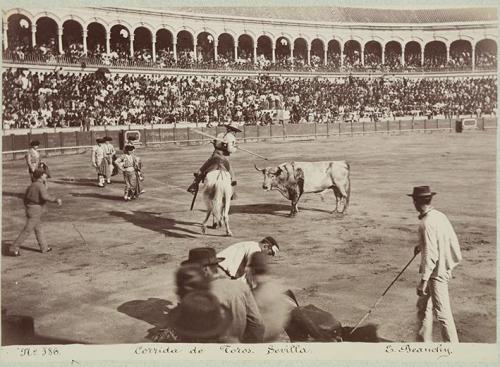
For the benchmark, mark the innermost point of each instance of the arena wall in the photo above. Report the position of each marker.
(63, 142)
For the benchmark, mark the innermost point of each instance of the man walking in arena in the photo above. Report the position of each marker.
(35, 200)
(440, 251)
(109, 156)
(98, 161)
(130, 165)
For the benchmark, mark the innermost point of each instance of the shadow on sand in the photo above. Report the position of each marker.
(20, 330)
(98, 196)
(19, 195)
(271, 209)
(155, 222)
(154, 311)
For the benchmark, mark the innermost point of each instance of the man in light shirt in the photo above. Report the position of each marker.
(440, 251)
(237, 257)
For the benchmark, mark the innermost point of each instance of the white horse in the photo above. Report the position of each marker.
(217, 191)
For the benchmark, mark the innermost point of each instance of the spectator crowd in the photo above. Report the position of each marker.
(62, 99)
(204, 59)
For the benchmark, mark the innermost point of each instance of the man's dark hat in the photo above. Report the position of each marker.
(99, 141)
(129, 148)
(421, 191)
(203, 256)
(231, 127)
(35, 143)
(200, 315)
(270, 240)
(132, 138)
(107, 138)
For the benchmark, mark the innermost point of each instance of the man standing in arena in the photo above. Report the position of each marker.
(98, 161)
(35, 200)
(246, 325)
(130, 165)
(33, 158)
(224, 145)
(237, 257)
(440, 251)
(109, 155)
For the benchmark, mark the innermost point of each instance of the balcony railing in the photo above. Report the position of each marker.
(63, 60)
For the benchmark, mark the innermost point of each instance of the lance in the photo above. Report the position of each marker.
(237, 147)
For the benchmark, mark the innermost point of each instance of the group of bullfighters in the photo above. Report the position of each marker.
(107, 164)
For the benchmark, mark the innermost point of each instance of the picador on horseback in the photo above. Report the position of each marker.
(224, 145)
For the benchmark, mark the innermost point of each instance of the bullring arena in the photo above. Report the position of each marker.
(110, 276)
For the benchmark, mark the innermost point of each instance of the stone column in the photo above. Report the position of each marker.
(291, 54)
(153, 47)
(33, 35)
(422, 54)
(325, 56)
(174, 45)
(274, 55)
(308, 56)
(216, 45)
(402, 56)
(235, 50)
(447, 53)
(131, 40)
(341, 54)
(5, 39)
(473, 56)
(195, 52)
(84, 38)
(383, 55)
(59, 39)
(362, 57)
(255, 53)
(108, 38)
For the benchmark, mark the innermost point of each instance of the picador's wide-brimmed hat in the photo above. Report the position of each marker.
(203, 256)
(421, 191)
(99, 141)
(129, 148)
(34, 143)
(200, 315)
(233, 128)
(107, 138)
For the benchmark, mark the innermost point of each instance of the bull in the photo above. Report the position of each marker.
(292, 179)
(217, 191)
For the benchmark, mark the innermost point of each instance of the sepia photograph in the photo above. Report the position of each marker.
(242, 180)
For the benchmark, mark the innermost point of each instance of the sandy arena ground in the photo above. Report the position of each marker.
(115, 286)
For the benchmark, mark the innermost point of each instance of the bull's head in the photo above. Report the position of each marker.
(271, 177)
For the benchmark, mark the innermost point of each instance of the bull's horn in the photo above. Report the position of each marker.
(257, 168)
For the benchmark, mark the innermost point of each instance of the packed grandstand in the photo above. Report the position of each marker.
(117, 66)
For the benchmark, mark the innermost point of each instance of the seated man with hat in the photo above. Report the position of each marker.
(200, 318)
(246, 324)
(224, 145)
